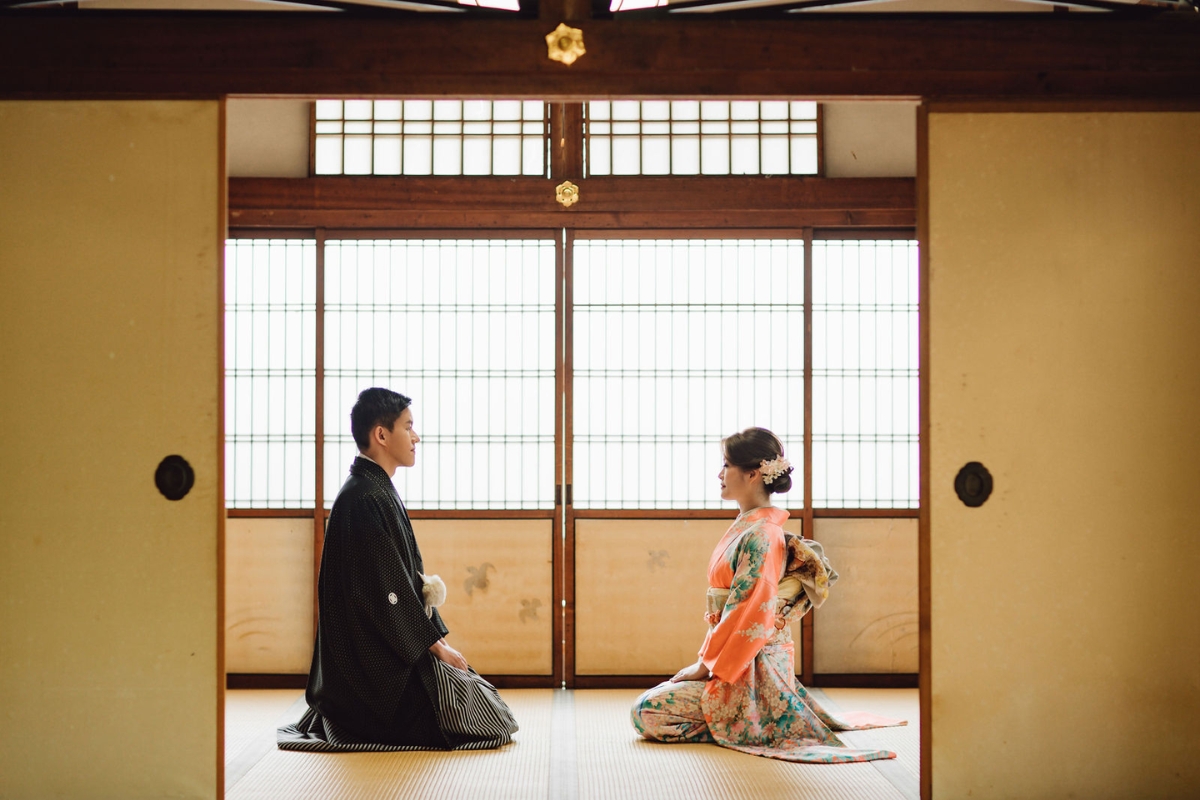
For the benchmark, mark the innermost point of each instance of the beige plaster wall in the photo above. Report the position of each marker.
(268, 137)
(870, 139)
(110, 226)
(1064, 313)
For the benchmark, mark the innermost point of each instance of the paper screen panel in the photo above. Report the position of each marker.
(639, 593)
(499, 590)
(268, 595)
(869, 622)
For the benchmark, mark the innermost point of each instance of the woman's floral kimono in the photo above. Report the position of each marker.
(753, 702)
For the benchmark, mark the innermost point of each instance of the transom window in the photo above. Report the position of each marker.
(708, 137)
(511, 137)
(429, 137)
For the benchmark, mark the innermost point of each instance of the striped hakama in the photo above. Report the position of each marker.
(469, 709)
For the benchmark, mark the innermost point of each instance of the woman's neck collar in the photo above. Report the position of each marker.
(746, 511)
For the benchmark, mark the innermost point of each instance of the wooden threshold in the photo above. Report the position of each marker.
(253, 680)
(830, 680)
(865, 680)
(274, 513)
(481, 513)
(866, 513)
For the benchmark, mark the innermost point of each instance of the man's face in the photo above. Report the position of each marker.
(401, 444)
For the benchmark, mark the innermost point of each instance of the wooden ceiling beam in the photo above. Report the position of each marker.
(608, 202)
(177, 54)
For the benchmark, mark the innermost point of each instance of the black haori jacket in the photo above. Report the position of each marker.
(371, 661)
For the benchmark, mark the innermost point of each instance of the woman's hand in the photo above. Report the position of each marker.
(696, 672)
(446, 653)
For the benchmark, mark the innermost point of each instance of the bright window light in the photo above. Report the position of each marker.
(466, 329)
(677, 344)
(270, 373)
(865, 368)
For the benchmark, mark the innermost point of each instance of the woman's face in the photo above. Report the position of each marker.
(736, 483)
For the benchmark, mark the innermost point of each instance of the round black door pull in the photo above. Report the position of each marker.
(174, 477)
(973, 484)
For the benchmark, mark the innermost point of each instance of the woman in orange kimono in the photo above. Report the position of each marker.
(742, 693)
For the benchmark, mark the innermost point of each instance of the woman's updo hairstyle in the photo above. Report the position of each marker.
(748, 449)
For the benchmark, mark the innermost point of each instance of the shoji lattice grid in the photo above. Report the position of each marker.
(270, 373)
(865, 411)
(694, 137)
(466, 329)
(678, 343)
(430, 137)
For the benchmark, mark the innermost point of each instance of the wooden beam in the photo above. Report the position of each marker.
(641, 202)
(876, 680)
(556, 11)
(566, 141)
(179, 54)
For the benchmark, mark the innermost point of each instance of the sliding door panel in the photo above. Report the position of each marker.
(869, 622)
(268, 595)
(640, 587)
(499, 591)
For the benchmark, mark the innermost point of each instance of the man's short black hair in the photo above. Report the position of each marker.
(375, 406)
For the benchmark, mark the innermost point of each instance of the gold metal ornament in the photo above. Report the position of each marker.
(567, 193)
(565, 44)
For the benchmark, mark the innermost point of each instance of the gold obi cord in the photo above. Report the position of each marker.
(715, 601)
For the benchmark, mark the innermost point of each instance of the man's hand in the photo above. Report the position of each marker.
(446, 653)
(696, 672)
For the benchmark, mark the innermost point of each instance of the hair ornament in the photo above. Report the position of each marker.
(774, 468)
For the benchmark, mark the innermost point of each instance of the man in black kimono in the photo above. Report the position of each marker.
(381, 662)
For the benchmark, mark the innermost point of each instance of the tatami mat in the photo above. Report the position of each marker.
(904, 741)
(571, 744)
(249, 712)
(614, 763)
(517, 772)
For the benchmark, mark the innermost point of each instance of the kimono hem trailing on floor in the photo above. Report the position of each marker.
(753, 702)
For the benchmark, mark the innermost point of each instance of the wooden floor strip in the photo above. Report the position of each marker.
(261, 745)
(564, 770)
